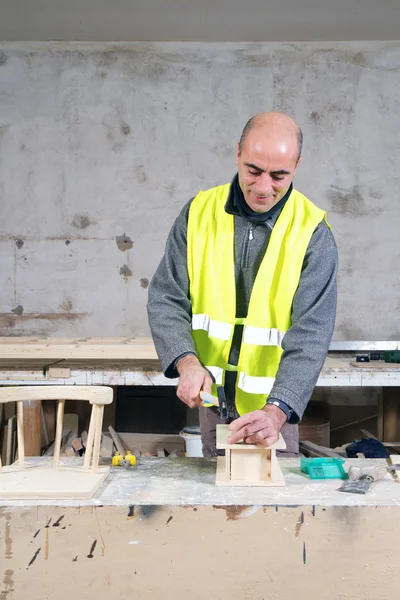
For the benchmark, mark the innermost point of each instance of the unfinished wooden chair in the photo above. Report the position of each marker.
(24, 485)
(247, 464)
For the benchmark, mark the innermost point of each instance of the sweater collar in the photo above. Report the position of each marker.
(237, 205)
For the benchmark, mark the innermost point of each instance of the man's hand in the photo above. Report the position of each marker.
(259, 427)
(193, 378)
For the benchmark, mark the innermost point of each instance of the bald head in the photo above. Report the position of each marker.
(267, 158)
(273, 124)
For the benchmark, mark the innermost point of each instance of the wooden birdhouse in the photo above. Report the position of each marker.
(247, 464)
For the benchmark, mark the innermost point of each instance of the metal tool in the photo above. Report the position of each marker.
(361, 478)
(219, 401)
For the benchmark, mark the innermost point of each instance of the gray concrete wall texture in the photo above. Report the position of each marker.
(102, 144)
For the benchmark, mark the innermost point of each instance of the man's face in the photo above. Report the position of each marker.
(266, 166)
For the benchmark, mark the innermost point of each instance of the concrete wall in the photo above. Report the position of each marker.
(101, 145)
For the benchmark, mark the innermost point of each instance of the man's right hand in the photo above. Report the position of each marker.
(193, 378)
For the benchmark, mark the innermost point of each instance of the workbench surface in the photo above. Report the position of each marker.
(191, 481)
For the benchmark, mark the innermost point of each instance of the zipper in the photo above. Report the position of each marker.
(246, 247)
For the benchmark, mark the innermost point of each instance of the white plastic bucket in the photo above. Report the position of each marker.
(192, 442)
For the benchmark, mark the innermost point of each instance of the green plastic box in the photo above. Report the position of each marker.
(323, 468)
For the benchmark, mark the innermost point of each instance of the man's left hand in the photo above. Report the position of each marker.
(259, 427)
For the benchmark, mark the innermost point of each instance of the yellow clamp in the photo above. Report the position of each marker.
(129, 457)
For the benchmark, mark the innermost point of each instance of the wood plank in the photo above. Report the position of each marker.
(314, 450)
(390, 414)
(38, 483)
(31, 427)
(107, 445)
(11, 429)
(92, 348)
(117, 441)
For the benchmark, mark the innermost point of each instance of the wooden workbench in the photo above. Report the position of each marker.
(163, 530)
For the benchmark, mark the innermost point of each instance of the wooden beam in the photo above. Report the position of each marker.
(31, 427)
(53, 349)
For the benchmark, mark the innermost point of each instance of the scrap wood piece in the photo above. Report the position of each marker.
(84, 436)
(314, 450)
(106, 448)
(117, 441)
(177, 453)
(77, 445)
(11, 429)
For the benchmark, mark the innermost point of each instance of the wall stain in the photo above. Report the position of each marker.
(3, 58)
(81, 221)
(223, 151)
(8, 583)
(148, 511)
(299, 524)
(66, 304)
(19, 244)
(125, 129)
(57, 523)
(93, 546)
(234, 512)
(375, 194)
(10, 319)
(171, 188)
(18, 310)
(124, 242)
(125, 271)
(347, 202)
(4, 129)
(144, 282)
(141, 174)
(34, 557)
(315, 116)
(8, 538)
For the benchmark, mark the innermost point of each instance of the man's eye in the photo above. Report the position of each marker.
(252, 172)
(277, 178)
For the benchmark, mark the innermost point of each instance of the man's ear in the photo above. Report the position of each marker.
(237, 154)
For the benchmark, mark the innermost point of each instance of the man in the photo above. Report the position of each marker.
(245, 294)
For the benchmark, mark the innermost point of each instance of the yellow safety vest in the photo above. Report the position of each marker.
(211, 268)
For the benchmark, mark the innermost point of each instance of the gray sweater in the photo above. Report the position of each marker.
(307, 341)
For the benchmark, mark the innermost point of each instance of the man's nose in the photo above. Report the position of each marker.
(264, 185)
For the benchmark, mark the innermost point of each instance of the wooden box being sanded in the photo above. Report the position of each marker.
(247, 464)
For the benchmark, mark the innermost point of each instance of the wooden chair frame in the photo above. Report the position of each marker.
(98, 396)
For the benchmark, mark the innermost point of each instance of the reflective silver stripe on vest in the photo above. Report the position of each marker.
(255, 385)
(216, 329)
(262, 336)
(217, 373)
